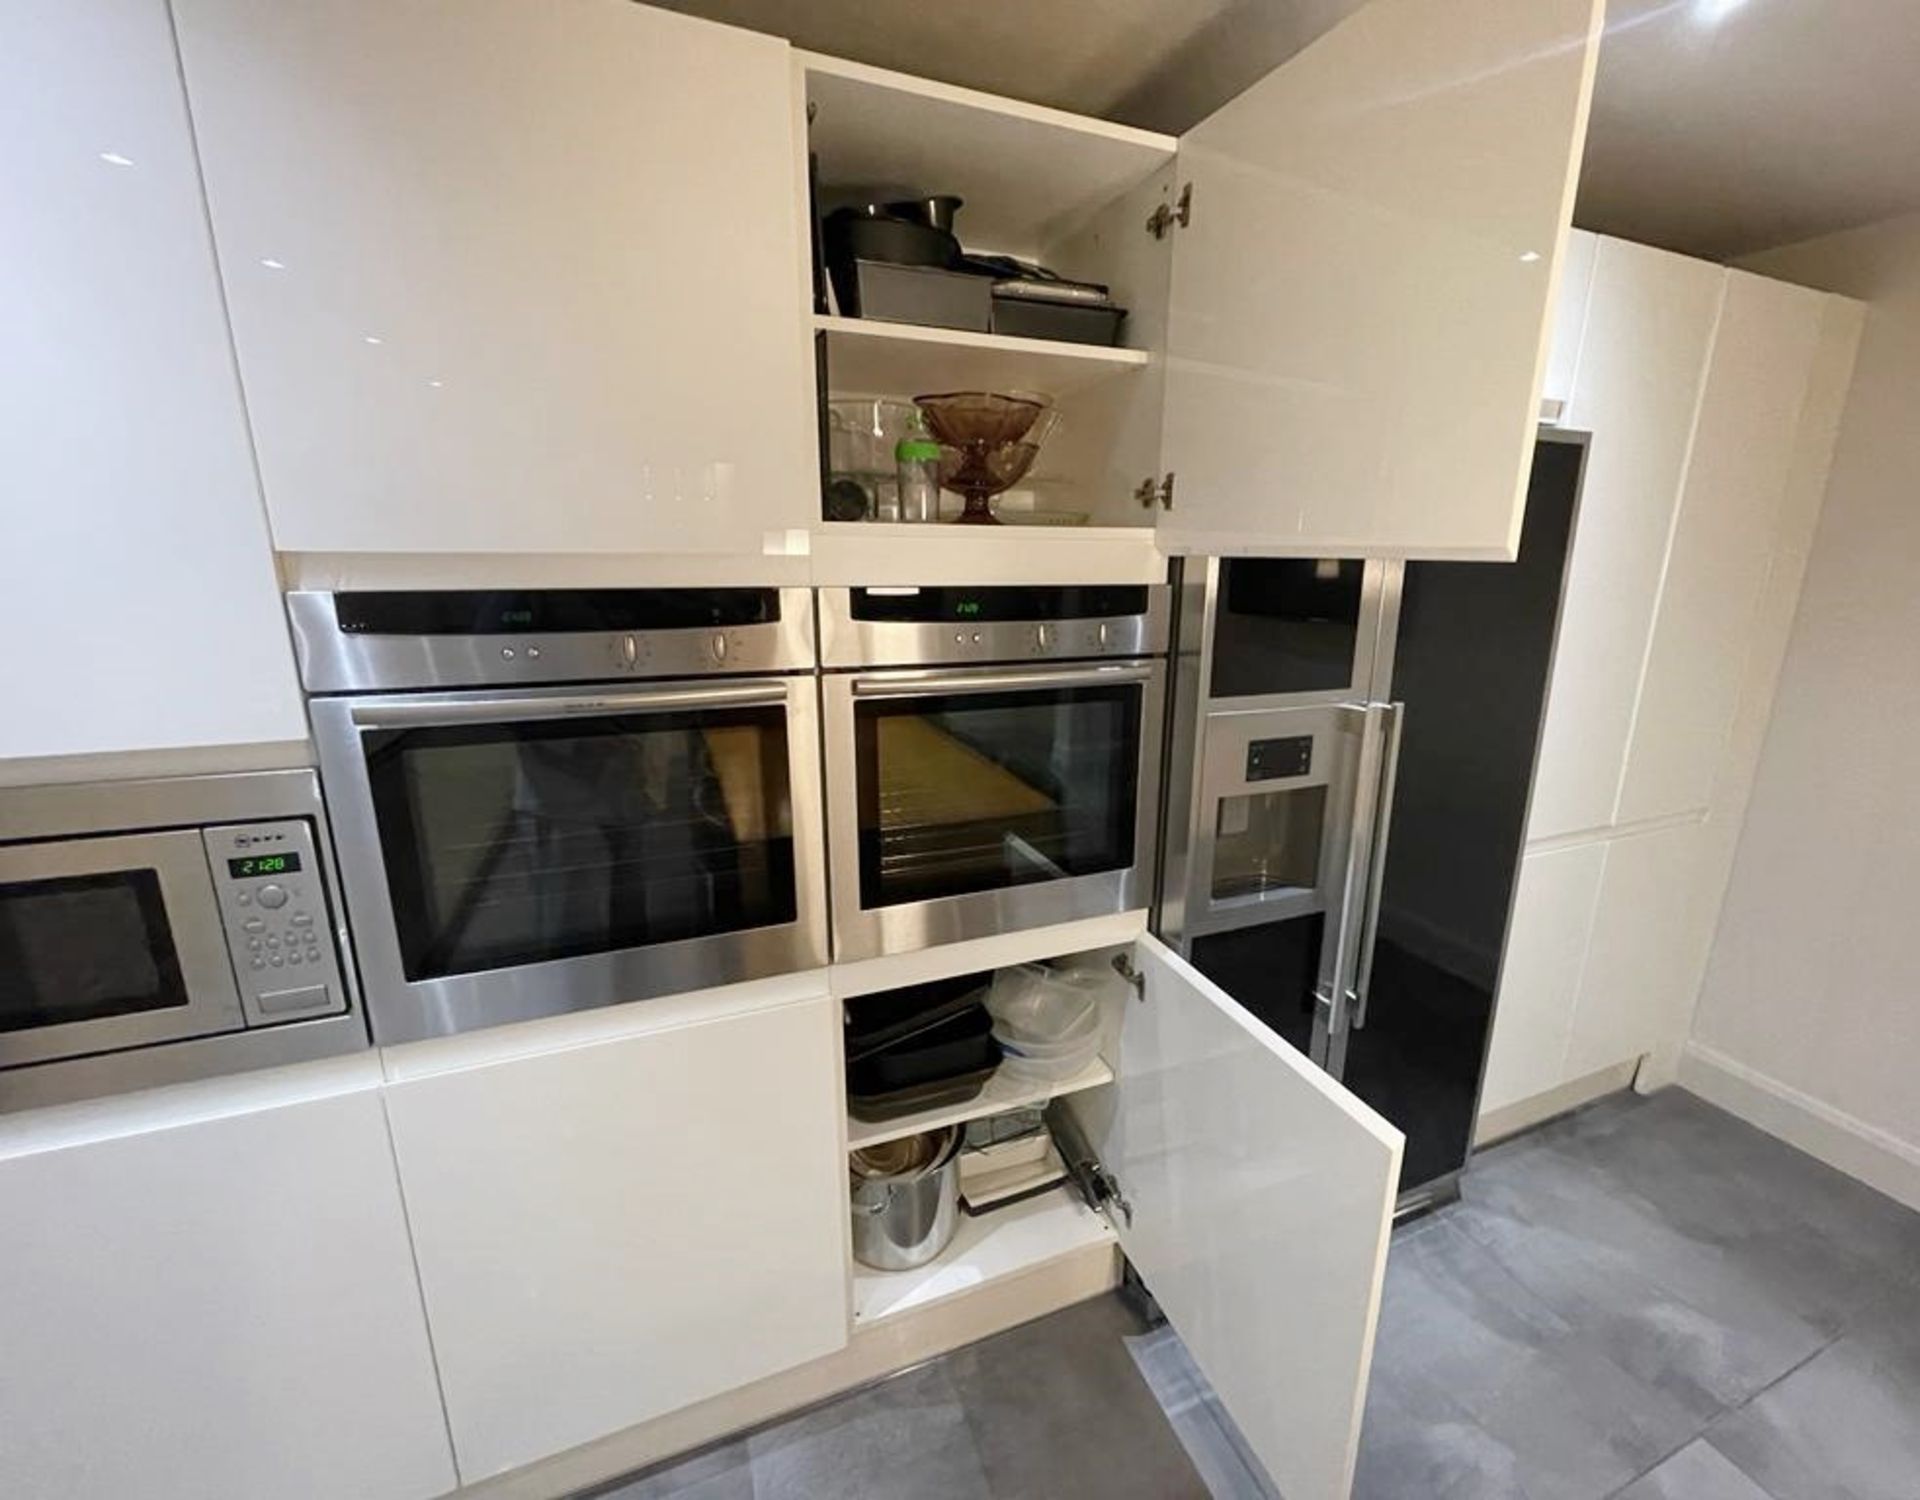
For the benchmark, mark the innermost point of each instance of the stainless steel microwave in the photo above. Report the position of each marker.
(152, 931)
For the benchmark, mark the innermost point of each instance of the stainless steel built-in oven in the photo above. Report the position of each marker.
(993, 758)
(152, 931)
(552, 800)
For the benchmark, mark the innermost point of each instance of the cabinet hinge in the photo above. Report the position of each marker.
(1148, 493)
(1097, 1186)
(1123, 966)
(1180, 212)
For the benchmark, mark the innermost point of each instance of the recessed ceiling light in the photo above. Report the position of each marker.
(115, 159)
(1528, 257)
(271, 264)
(1713, 12)
(372, 338)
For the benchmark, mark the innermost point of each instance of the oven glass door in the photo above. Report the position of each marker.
(967, 792)
(110, 943)
(981, 792)
(524, 841)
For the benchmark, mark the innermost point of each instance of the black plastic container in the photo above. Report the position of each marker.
(1029, 318)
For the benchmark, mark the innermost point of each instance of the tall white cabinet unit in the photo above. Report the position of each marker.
(1337, 324)
(136, 583)
(209, 1295)
(509, 277)
(1713, 400)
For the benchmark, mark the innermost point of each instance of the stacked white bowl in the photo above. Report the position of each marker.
(1047, 1022)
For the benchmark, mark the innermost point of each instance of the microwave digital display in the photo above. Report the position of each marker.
(251, 865)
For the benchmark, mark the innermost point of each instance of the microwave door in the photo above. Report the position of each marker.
(108, 944)
(509, 856)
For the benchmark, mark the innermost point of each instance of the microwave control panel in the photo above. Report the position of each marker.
(274, 905)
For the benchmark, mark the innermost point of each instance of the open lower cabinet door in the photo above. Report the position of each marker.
(1363, 281)
(1254, 1197)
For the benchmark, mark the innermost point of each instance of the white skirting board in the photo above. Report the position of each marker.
(1495, 1125)
(1874, 1156)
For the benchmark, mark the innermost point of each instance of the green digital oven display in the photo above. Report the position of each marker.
(966, 609)
(251, 865)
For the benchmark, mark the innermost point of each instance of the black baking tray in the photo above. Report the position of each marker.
(941, 1093)
(916, 1048)
(1026, 318)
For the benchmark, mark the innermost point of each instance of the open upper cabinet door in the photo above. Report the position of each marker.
(1360, 298)
(1258, 1198)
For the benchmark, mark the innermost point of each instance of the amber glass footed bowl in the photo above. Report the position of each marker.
(988, 443)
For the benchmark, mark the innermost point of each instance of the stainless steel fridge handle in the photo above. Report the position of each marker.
(928, 684)
(503, 710)
(1396, 714)
(1338, 997)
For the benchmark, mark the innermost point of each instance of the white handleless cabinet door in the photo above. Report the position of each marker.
(1649, 331)
(1360, 301)
(137, 592)
(1646, 952)
(1261, 1196)
(614, 1229)
(1744, 445)
(509, 275)
(218, 1305)
(1540, 975)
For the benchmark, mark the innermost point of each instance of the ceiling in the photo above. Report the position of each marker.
(1720, 127)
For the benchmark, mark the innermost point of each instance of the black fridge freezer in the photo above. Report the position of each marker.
(1346, 826)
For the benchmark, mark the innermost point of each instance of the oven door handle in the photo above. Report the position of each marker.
(512, 710)
(930, 684)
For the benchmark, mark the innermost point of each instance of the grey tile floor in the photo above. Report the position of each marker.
(1648, 1300)
(1654, 1301)
(1055, 1409)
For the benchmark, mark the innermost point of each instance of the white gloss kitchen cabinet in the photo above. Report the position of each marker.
(1712, 398)
(632, 1225)
(1338, 284)
(209, 1295)
(625, 1212)
(136, 578)
(459, 333)
(509, 277)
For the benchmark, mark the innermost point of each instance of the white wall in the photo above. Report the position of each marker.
(1809, 1018)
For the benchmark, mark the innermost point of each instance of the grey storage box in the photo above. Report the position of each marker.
(916, 294)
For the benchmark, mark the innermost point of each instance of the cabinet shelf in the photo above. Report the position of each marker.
(1026, 171)
(1000, 1244)
(870, 358)
(1000, 1095)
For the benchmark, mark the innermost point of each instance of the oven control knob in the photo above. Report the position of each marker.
(719, 646)
(1043, 637)
(273, 897)
(626, 651)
